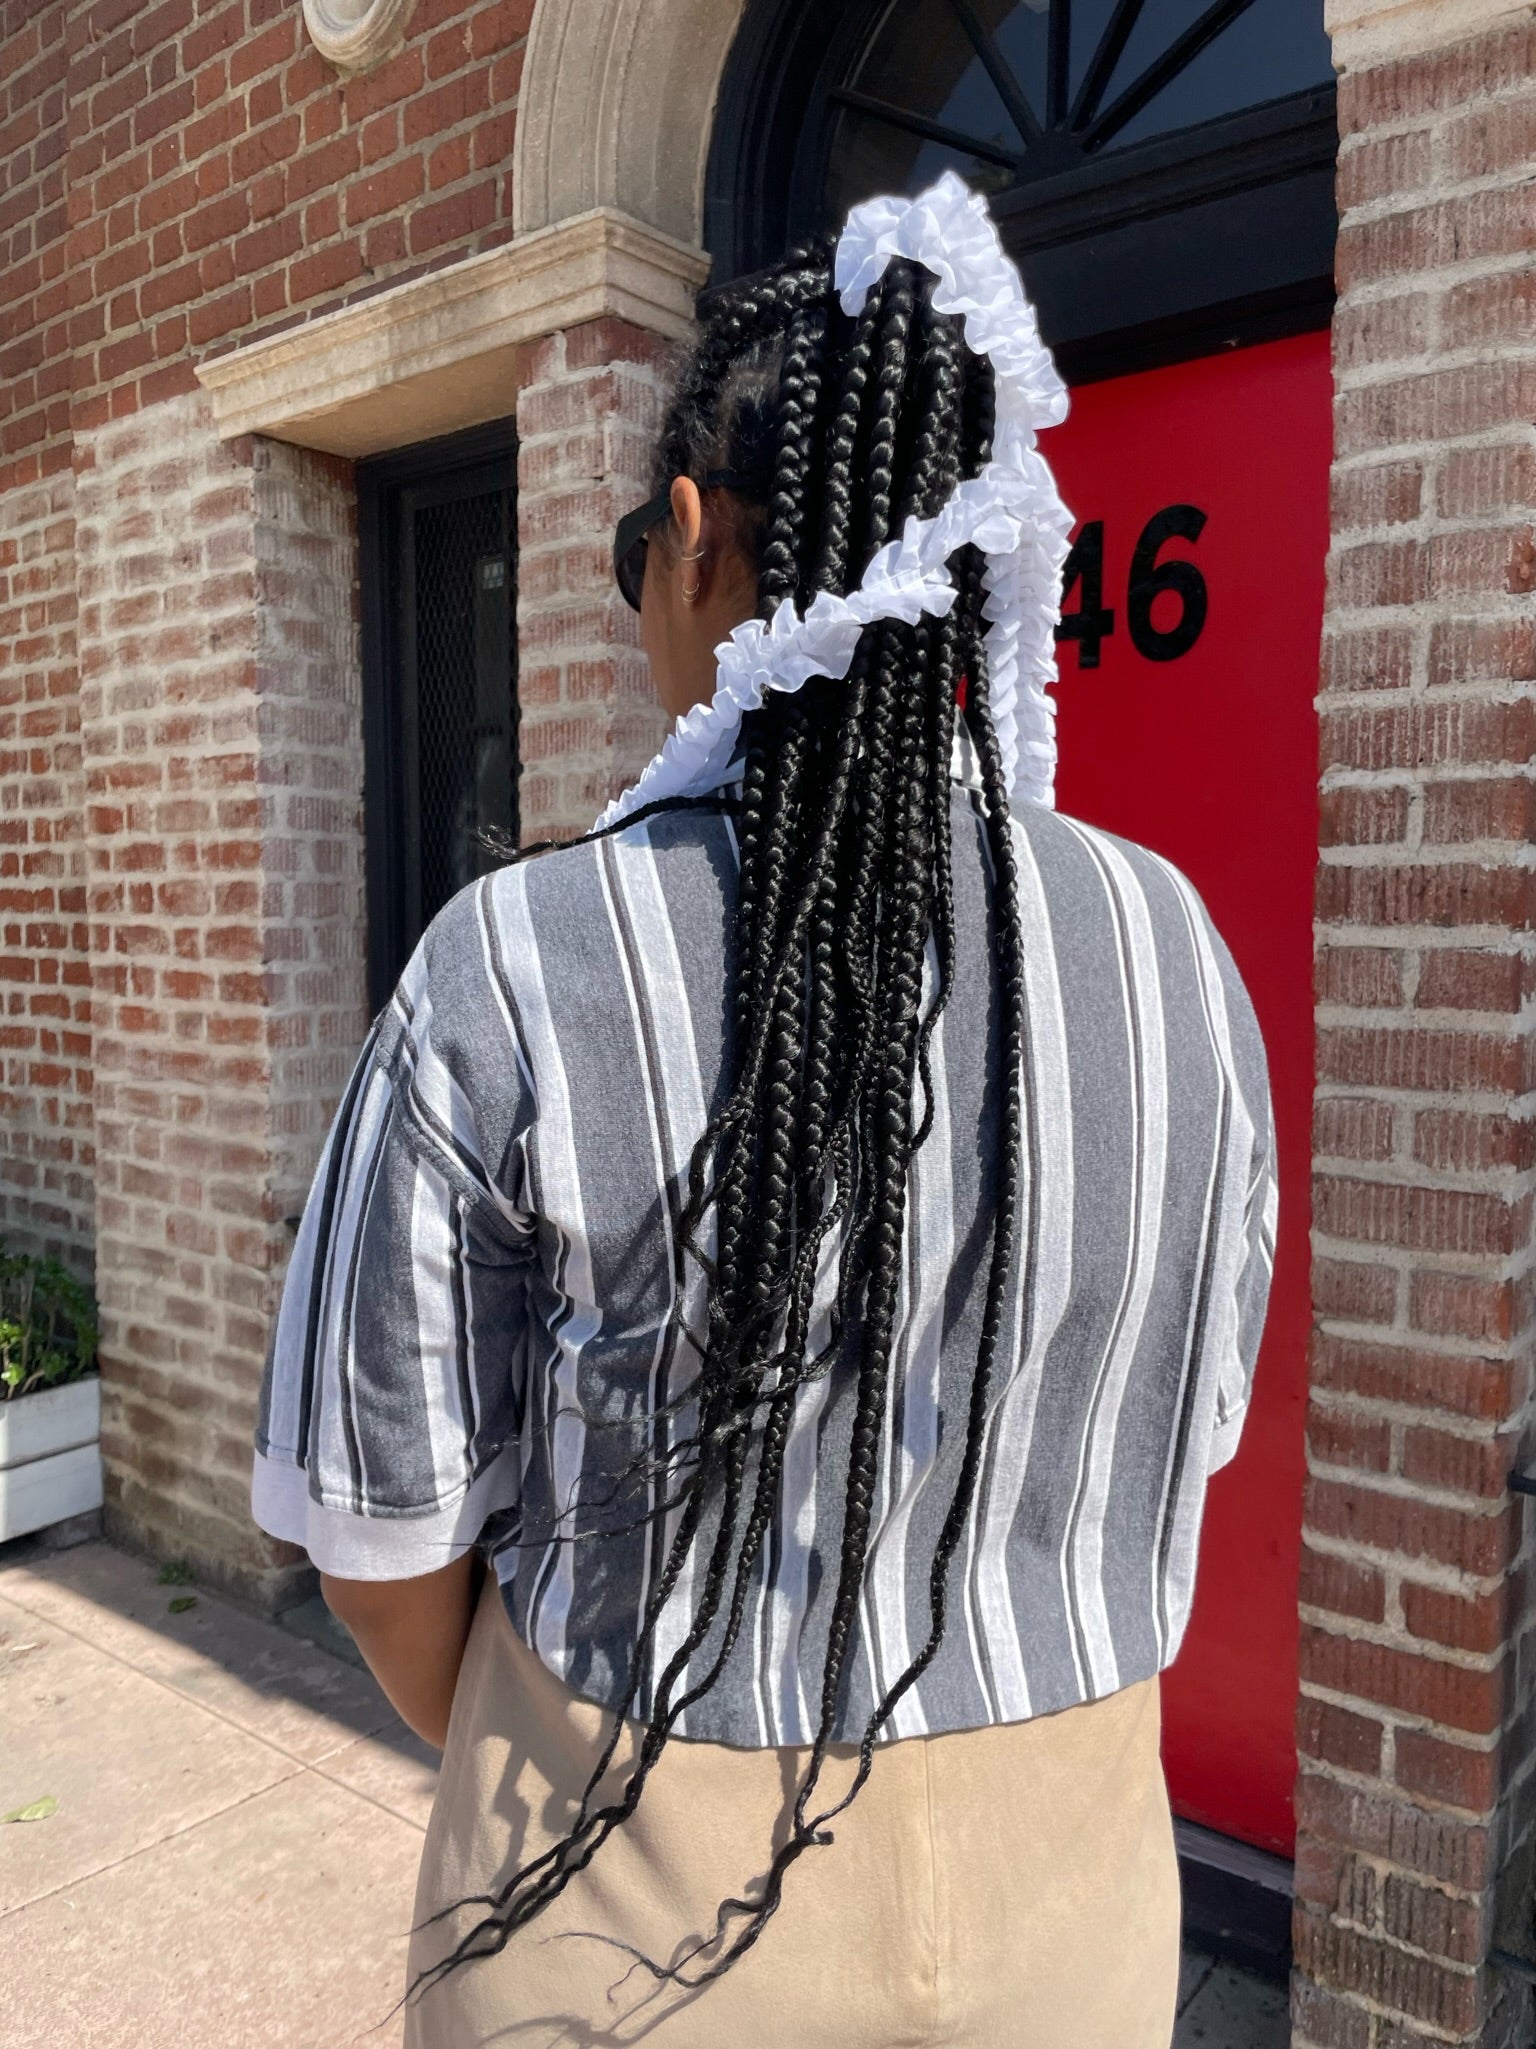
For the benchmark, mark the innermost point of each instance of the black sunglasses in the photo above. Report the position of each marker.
(633, 532)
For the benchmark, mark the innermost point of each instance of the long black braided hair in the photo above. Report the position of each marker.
(849, 427)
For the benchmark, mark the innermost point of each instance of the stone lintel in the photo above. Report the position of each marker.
(439, 353)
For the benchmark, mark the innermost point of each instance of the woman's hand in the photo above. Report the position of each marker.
(412, 1632)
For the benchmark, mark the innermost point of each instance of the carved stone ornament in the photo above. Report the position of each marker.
(352, 34)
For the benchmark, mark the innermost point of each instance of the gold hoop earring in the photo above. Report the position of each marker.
(691, 597)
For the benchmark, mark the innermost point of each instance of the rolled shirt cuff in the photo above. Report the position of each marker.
(376, 1547)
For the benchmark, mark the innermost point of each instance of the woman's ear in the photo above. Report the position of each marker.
(688, 511)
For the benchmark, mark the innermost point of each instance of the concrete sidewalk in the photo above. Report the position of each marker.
(232, 1857)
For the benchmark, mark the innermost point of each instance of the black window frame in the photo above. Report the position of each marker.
(1150, 253)
(476, 459)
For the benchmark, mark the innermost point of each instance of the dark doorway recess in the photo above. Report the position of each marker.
(1161, 169)
(438, 531)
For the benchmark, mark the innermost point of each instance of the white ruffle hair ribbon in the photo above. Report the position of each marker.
(1012, 511)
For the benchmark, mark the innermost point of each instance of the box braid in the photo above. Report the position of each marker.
(845, 427)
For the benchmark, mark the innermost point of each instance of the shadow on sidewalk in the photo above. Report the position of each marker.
(210, 1648)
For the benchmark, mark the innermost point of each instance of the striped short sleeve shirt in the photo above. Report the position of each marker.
(480, 1325)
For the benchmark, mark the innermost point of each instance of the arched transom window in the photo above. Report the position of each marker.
(1112, 135)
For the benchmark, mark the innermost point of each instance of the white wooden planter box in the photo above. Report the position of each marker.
(50, 1459)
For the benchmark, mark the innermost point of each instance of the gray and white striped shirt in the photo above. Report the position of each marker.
(480, 1321)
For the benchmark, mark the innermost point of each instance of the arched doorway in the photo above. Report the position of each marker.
(1163, 170)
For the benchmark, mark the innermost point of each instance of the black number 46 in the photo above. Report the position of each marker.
(1092, 623)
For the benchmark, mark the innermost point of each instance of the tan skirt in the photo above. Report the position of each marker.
(1001, 1888)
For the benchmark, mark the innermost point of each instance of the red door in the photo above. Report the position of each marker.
(1187, 721)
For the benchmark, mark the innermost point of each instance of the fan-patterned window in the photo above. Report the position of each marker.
(1152, 161)
(1009, 93)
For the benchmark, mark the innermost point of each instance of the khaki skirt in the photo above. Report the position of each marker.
(1001, 1888)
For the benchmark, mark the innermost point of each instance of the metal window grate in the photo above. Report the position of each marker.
(458, 690)
(439, 529)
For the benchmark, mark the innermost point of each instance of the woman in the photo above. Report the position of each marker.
(812, 1237)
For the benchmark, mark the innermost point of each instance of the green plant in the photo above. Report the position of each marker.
(47, 1325)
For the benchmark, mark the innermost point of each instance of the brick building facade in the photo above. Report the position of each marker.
(182, 772)
(1418, 1687)
(231, 270)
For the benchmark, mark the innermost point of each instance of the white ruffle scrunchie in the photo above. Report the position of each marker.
(1012, 511)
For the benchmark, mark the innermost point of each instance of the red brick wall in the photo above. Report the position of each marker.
(35, 370)
(224, 181)
(176, 176)
(587, 416)
(307, 805)
(45, 1101)
(224, 782)
(45, 1069)
(1414, 1723)
(181, 916)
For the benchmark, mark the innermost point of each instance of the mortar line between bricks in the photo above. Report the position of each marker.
(1399, 2014)
(1425, 119)
(1385, 1637)
(1426, 528)
(1400, 1337)
(1433, 707)
(1439, 191)
(1375, 1787)
(1363, 216)
(1432, 362)
(302, 1763)
(1351, 932)
(1431, 460)
(1500, 692)
(1418, 284)
(1506, 1184)
(1482, 1024)
(1465, 1429)
(1450, 1345)
(1404, 1563)
(1487, 851)
(1398, 1720)
(1348, 1404)
(1507, 433)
